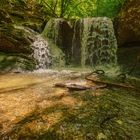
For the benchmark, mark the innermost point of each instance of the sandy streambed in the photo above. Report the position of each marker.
(31, 108)
(23, 94)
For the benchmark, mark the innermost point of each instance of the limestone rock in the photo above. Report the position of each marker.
(17, 21)
(60, 33)
(14, 40)
(15, 48)
(23, 12)
(128, 23)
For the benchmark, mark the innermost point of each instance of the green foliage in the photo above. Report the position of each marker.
(81, 8)
(108, 8)
(73, 8)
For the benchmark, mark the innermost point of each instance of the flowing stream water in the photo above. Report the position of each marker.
(24, 93)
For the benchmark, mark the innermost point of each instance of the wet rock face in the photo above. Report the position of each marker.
(128, 23)
(29, 49)
(94, 42)
(14, 40)
(23, 13)
(60, 33)
(90, 41)
(76, 43)
(15, 49)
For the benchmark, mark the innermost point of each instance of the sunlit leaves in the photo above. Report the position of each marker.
(75, 8)
(81, 8)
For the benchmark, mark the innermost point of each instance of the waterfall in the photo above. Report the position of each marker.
(84, 41)
(39, 46)
(59, 32)
(96, 40)
(41, 53)
(93, 43)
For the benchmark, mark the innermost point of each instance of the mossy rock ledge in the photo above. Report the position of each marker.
(15, 48)
(19, 22)
(60, 33)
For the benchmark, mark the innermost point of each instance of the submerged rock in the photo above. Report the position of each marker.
(94, 42)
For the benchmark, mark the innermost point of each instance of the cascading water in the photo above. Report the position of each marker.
(97, 42)
(41, 53)
(59, 32)
(94, 43)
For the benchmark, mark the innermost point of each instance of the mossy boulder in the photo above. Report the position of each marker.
(5, 17)
(15, 48)
(14, 63)
(128, 23)
(14, 40)
(60, 33)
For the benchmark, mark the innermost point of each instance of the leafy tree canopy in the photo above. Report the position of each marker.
(81, 8)
(73, 8)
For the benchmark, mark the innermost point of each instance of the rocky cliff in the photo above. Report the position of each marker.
(128, 23)
(15, 42)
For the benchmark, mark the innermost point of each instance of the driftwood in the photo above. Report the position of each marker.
(77, 87)
(109, 84)
(61, 85)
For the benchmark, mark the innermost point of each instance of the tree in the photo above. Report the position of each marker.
(81, 8)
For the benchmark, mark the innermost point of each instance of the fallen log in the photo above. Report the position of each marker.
(77, 87)
(109, 84)
(61, 85)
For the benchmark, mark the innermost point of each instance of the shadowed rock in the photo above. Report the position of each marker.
(60, 33)
(16, 40)
(128, 23)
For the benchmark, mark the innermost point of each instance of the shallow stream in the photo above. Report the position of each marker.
(32, 108)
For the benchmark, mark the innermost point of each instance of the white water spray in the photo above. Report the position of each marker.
(41, 53)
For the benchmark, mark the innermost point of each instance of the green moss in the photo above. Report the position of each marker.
(112, 115)
(14, 61)
(58, 57)
(53, 31)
